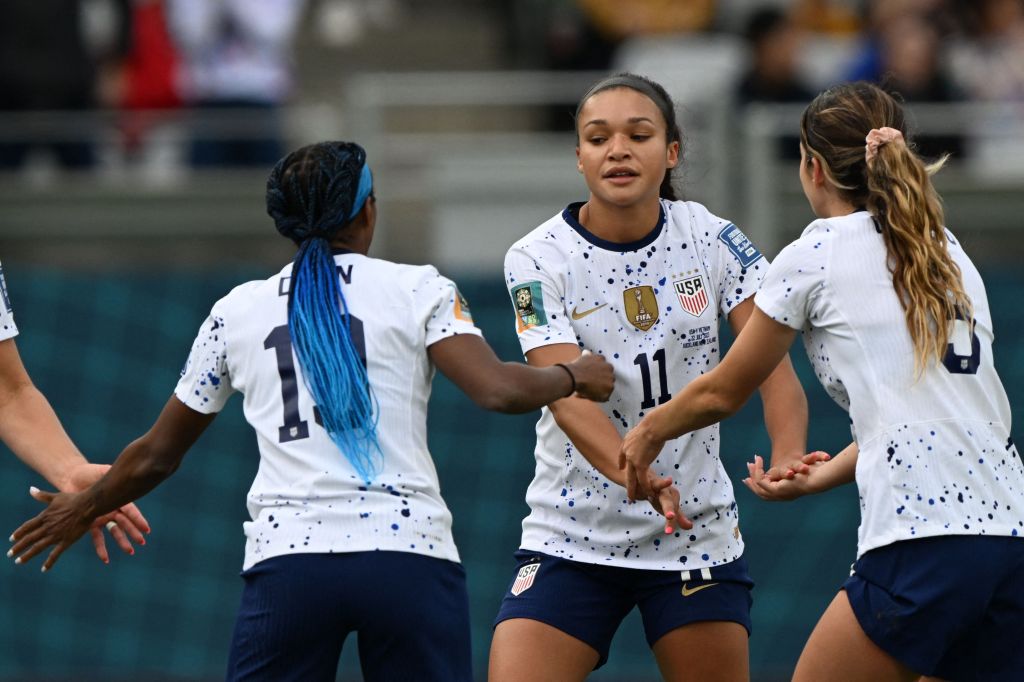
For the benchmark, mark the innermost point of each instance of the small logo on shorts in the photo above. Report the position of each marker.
(524, 580)
(689, 591)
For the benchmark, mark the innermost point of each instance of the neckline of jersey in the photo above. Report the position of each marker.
(571, 216)
(340, 250)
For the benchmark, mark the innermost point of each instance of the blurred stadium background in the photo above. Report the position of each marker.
(116, 239)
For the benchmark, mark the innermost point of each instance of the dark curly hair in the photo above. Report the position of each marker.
(312, 191)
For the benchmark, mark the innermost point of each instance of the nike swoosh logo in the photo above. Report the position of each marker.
(688, 591)
(579, 316)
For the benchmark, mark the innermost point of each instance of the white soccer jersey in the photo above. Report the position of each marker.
(652, 308)
(8, 329)
(935, 453)
(306, 496)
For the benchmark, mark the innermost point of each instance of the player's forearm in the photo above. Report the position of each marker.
(139, 468)
(30, 428)
(839, 470)
(785, 414)
(516, 388)
(592, 433)
(702, 403)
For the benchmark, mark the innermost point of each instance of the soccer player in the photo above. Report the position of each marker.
(898, 328)
(645, 280)
(30, 428)
(334, 356)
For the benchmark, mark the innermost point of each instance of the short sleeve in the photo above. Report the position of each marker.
(8, 329)
(790, 290)
(205, 384)
(538, 300)
(446, 310)
(740, 268)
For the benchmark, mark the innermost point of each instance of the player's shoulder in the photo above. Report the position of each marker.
(816, 241)
(856, 224)
(408, 280)
(244, 296)
(697, 223)
(692, 215)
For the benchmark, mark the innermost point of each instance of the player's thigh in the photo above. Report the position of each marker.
(287, 626)
(709, 651)
(558, 605)
(525, 650)
(838, 649)
(414, 619)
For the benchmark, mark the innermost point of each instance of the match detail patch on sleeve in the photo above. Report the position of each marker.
(462, 311)
(529, 302)
(3, 292)
(746, 253)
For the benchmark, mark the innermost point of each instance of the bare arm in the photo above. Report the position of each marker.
(783, 398)
(586, 425)
(144, 464)
(29, 426)
(597, 439)
(818, 478)
(513, 387)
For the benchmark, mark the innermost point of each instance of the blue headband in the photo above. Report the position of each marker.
(363, 191)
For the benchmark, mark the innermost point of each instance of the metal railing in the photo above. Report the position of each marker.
(464, 163)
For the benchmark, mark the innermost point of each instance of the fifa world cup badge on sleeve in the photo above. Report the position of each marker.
(746, 253)
(3, 291)
(529, 303)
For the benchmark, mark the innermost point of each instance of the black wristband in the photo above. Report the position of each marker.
(571, 376)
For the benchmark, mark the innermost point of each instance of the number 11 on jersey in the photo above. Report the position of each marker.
(645, 376)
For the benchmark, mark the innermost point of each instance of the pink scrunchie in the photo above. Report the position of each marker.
(876, 138)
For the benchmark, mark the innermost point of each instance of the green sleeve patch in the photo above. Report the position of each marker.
(529, 302)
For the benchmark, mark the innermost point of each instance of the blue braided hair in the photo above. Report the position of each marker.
(312, 195)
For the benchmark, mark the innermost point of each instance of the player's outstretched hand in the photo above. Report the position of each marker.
(125, 525)
(61, 524)
(665, 500)
(594, 376)
(776, 486)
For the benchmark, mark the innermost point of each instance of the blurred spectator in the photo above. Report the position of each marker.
(880, 18)
(990, 66)
(617, 20)
(237, 60)
(826, 16)
(904, 56)
(47, 63)
(774, 42)
(912, 66)
(564, 38)
(150, 75)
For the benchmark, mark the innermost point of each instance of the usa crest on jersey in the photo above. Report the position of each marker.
(693, 295)
(524, 579)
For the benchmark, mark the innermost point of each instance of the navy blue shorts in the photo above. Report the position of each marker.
(950, 606)
(411, 613)
(589, 601)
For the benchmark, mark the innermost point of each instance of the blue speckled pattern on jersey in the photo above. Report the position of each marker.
(623, 302)
(936, 457)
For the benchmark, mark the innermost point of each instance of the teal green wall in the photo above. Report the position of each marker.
(106, 350)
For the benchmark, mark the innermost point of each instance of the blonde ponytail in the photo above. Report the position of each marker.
(887, 178)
